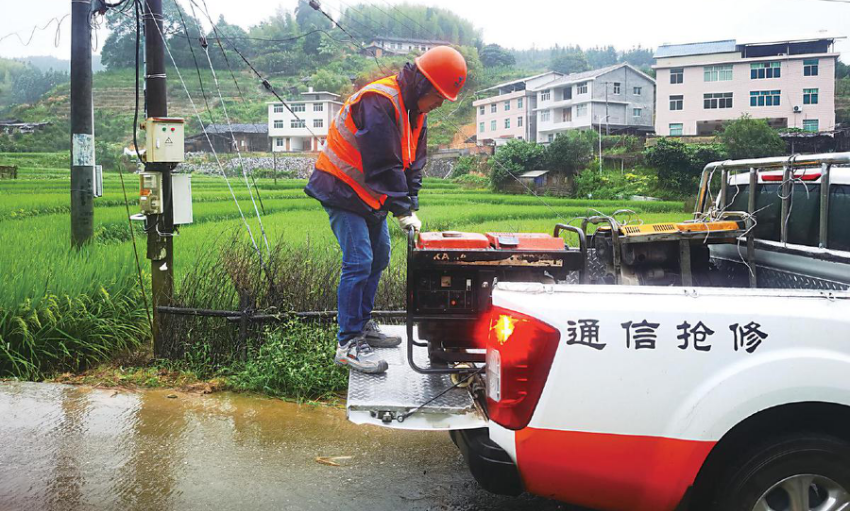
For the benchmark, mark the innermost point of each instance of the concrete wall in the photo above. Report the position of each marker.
(500, 115)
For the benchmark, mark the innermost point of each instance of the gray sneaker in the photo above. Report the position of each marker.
(358, 355)
(378, 339)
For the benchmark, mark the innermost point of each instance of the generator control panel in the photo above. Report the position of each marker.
(164, 139)
(151, 193)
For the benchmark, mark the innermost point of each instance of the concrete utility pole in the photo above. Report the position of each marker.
(160, 247)
(82, 124)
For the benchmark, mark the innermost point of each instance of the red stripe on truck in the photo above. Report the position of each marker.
(609, 472)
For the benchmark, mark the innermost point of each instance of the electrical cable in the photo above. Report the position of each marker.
(233, 137)
(195, 60)
(56, 37)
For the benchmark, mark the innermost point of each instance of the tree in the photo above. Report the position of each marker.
(513, 159)
(679, 165)
(600, 56)
(638, 57)
(571, 151)
(572, 61)
(747, 137)
(841, 69)
(494, 55)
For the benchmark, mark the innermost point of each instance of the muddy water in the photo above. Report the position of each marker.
(65, 447)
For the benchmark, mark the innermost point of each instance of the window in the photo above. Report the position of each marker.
(616, 88)
(279, 124)
(761, 70)
(297, 123)
(636, 112)
(811, 96)
(519, 102)
(811, 125)
(567, 115)
(482, 110)
(582, 88)
(507, 122)
(279, 142)
(493, 125)
(581, 110)
(811, 67)
(765, 98)
(520, 122)
(507, 106)
(298, 107)
(718, 73)
(677, 75)
(549, 137)
(718, 100)
(545, 95)
(317, 123)
(318, 107)
(481, 127)
(675, 129)
(676, 102)
(545, 116)
(636, 91)
(493, 108)
(279, 109)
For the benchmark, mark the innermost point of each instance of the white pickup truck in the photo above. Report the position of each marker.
(641, 397)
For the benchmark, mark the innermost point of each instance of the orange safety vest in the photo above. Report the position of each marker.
(341, 156)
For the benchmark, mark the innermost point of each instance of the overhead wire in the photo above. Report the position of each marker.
(230, 126)
(56, 36)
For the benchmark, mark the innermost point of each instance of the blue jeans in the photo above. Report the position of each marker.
(366, 253)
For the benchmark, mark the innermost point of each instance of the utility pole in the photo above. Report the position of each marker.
(161, 227)
(82, 124)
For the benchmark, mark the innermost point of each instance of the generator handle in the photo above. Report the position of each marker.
(583, 247)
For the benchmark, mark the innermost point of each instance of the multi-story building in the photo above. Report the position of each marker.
(306, 127)
(400, 46)
(701, 85)
(616, 99)
(508, 114)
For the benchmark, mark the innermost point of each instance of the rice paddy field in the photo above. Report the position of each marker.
(64, 309)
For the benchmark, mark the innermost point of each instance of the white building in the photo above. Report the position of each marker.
(306, 127)
(790, 84)
(616, 98)
(400, 46)
(508, 114)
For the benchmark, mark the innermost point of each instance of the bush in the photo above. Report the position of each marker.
(464, 165)
(591, 184)
(751, 138)
(679, 165)
(513, 159)
(570, 152)
(472, 181)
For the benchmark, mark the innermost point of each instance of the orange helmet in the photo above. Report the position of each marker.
(445, 68)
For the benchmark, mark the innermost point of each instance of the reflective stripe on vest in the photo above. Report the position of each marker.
(341, 156)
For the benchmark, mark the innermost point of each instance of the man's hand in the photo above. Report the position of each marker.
(409, 221)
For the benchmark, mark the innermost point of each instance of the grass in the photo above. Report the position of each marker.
(64, 310)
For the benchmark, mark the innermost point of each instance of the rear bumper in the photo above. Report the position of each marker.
(490, 465)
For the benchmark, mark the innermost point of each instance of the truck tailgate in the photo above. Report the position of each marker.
(388, 399)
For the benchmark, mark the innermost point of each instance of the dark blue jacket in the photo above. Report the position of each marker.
(380, 146)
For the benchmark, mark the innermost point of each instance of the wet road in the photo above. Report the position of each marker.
(66, 448)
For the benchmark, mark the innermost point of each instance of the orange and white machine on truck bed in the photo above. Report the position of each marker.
(728, 392)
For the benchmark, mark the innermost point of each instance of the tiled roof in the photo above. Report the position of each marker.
(681, 50)
(578, 77)
(222, 129)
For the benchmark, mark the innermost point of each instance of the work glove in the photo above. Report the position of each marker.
(410, 221)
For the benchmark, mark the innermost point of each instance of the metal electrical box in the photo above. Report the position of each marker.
(164, 140)
(97, 181)
(151, 193)
(181, 189)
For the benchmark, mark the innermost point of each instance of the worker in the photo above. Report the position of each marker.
(372, 165)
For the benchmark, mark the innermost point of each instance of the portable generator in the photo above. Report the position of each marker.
(451, 275)
(658, 254)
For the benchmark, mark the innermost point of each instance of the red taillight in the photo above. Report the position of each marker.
(803, 176)
(520, 351)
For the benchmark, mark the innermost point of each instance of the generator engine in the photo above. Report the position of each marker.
(451, 275)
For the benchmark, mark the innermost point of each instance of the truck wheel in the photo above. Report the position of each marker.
(804, 472)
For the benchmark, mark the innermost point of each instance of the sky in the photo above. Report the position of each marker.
(517, 24)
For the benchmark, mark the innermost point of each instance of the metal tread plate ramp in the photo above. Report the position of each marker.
(388, 399)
